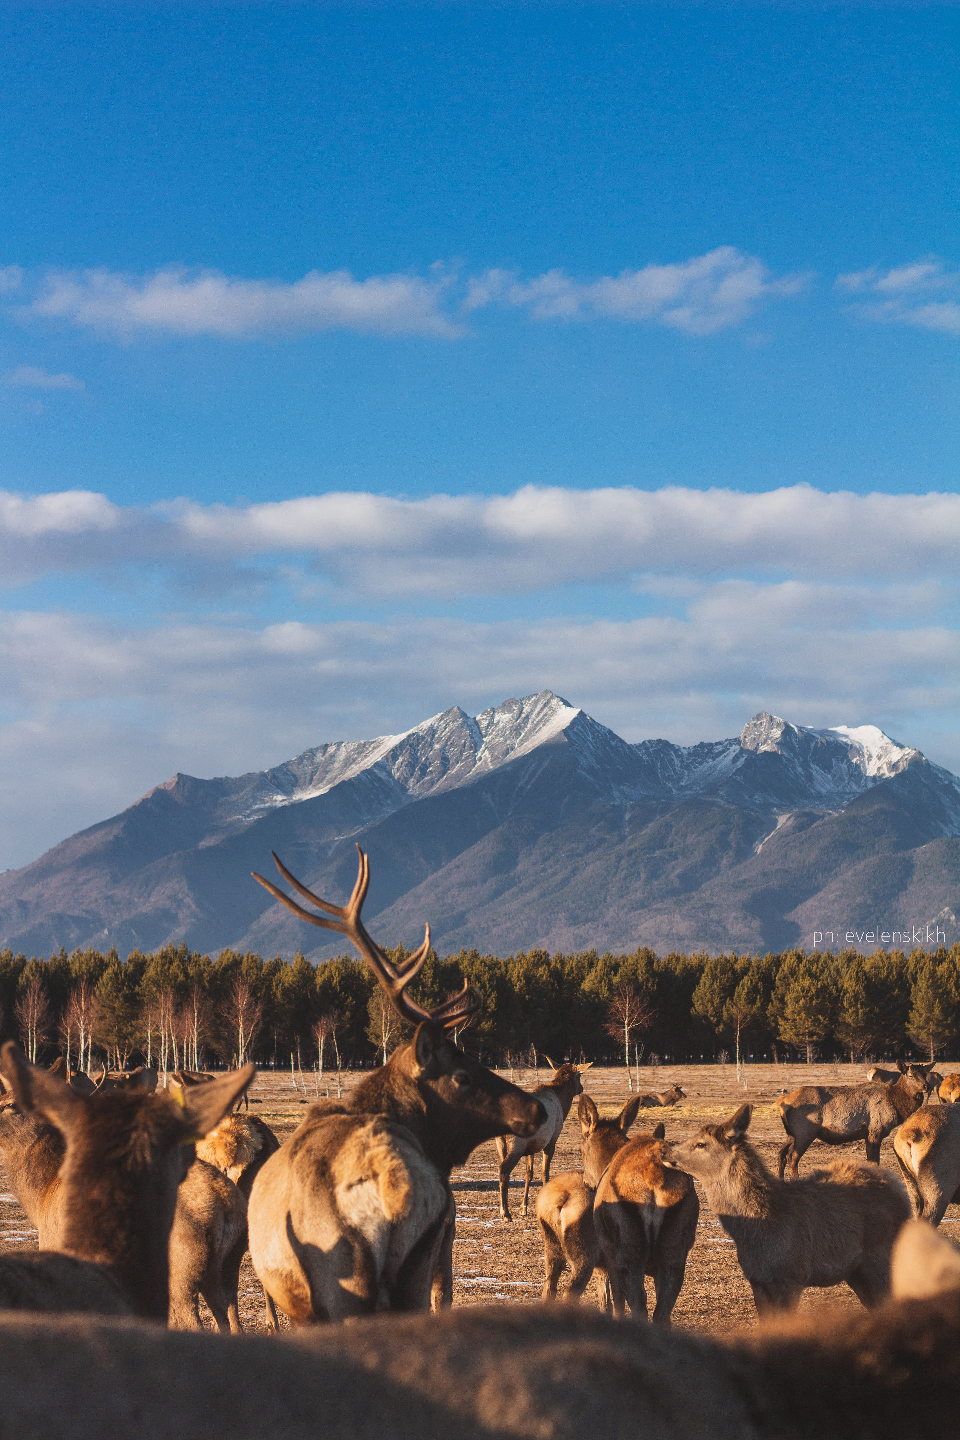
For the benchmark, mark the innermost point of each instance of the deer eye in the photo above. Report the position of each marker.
(460, 1077)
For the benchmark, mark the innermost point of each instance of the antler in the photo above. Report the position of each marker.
(452, 1014)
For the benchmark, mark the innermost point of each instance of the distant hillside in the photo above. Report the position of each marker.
(528, 826)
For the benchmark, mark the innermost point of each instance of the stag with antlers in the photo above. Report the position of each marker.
(355, 1213)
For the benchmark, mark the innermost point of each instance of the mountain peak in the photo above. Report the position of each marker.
(764, 732)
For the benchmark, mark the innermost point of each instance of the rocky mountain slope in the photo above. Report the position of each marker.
(528, 826)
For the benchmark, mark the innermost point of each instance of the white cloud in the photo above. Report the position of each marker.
(700, 296)
(175, 301)
(11, 277)
(114, 709)
(32, 377)
(538, 538)
(902, 295)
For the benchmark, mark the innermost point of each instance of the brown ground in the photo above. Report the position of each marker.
(497, 1261)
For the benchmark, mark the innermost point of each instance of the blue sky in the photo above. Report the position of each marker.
(360, 361)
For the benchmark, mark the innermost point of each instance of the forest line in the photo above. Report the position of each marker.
(176, 1007)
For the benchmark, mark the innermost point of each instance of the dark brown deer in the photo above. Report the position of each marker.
(513, 1371)
(837, 1224)
(355, 1213)
(124, 1157)
(556, 1096)
(837, 1114)
(565, 1202)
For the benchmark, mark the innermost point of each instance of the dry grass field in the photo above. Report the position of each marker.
(501, 1262)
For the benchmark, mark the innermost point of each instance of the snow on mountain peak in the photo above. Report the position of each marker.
(873, 751)
(764, 732)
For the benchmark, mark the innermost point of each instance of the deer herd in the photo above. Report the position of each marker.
(146, 1199)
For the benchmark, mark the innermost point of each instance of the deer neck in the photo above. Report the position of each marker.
(390, 1090)
(743, 1189)
(597, 1154)
(125, 1231)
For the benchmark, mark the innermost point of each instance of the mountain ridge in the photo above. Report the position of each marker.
(530, 825)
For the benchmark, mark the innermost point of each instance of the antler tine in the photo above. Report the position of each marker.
(457, 1011)
(393, 978)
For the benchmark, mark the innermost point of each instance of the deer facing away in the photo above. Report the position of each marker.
(207, 1239)
(927, 1147)
(513, 1372)
(565, 1202)
(124, 1157)
(837, 1114)
(556, 1097)
(355, 1213)
(833, 1225)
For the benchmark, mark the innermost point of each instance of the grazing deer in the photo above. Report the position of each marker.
(517, 1372)
(927, 1147)
(124, 1157)
(837, 1114)
(663, 1098)
(355, 1213)
(239, 1147)
(556, 1096)
(565, 1202)
(833, 1225)
(645, 1213)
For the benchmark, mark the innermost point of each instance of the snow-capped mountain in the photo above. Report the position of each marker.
(528, 825)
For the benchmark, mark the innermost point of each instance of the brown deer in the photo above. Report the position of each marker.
(124, 1157)
(207, 1239)
(835, 1224)
(927, 1147)
(516, 1371)
(645, 1213)
(837, 1114)
(355, 1213)
(556, 1096)
(949, 1089)
(565, 1202)
(663, 1098)
(239, 1147)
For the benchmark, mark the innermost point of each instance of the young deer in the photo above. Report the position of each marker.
(837, 1114)
(833, 1225)
(645, 1214)
(239, 1147)
(513, 1371)
(565, 1202)
(927, 1147)
(556, 1096)
(355, 1213)
(124, 1157)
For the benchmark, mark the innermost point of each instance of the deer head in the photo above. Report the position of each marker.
(449, 1100)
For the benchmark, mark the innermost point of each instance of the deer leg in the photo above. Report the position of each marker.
(785, 1154)
(526, 1187)
(870, 1283)
(554, 1263)
(270, 1312)
(412, 1289)
(231, 1284)
(773, 1299)
(507, 1165)
(441, 1292)
(547, 1162)
(873, 1150)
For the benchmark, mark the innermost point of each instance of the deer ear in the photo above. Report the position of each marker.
(552, 1063)
(585, 1066)
(923, 1263)
(738, 1123)
(659, 1131)
(204, 1106)
(901, 1067)
(629, 1113)
(588, 1115)
(37, 1091)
